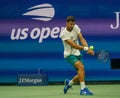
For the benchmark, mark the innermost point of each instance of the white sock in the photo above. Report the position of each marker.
(82, 85)
(71, 82)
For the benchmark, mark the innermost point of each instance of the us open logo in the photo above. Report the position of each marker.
(42, 12)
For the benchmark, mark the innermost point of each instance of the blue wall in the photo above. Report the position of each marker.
(29, 54)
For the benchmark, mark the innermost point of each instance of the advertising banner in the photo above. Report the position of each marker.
(30, 37)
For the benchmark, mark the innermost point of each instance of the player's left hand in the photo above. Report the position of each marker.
(91, 52)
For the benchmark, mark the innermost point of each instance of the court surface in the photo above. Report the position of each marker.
(56, 91)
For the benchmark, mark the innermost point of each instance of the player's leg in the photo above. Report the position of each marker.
(81, 76)
(78, 78)
(74, 80)
(75, 64)
(68, 83)
(81, 73)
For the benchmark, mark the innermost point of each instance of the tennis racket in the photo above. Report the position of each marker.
(101, 55)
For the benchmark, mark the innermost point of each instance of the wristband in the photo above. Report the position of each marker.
(85, 48)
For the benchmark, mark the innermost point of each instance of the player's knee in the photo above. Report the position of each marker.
(80, 68)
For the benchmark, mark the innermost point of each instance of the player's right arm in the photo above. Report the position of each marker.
(76, 46)
(73, 44)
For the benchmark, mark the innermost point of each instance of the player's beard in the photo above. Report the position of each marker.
(70, 29)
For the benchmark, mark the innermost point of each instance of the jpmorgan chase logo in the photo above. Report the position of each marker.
(42, 12)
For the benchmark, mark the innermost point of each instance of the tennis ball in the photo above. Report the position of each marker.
(92, 47)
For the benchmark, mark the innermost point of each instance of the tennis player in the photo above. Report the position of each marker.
(71, 36)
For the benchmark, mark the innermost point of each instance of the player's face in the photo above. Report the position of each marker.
(70, 25)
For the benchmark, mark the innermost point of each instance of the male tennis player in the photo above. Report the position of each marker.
(71, 36)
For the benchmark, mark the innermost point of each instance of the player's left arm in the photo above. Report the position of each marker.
(85, 44)
(82, 39)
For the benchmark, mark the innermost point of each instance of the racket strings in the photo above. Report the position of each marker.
(103, 56)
